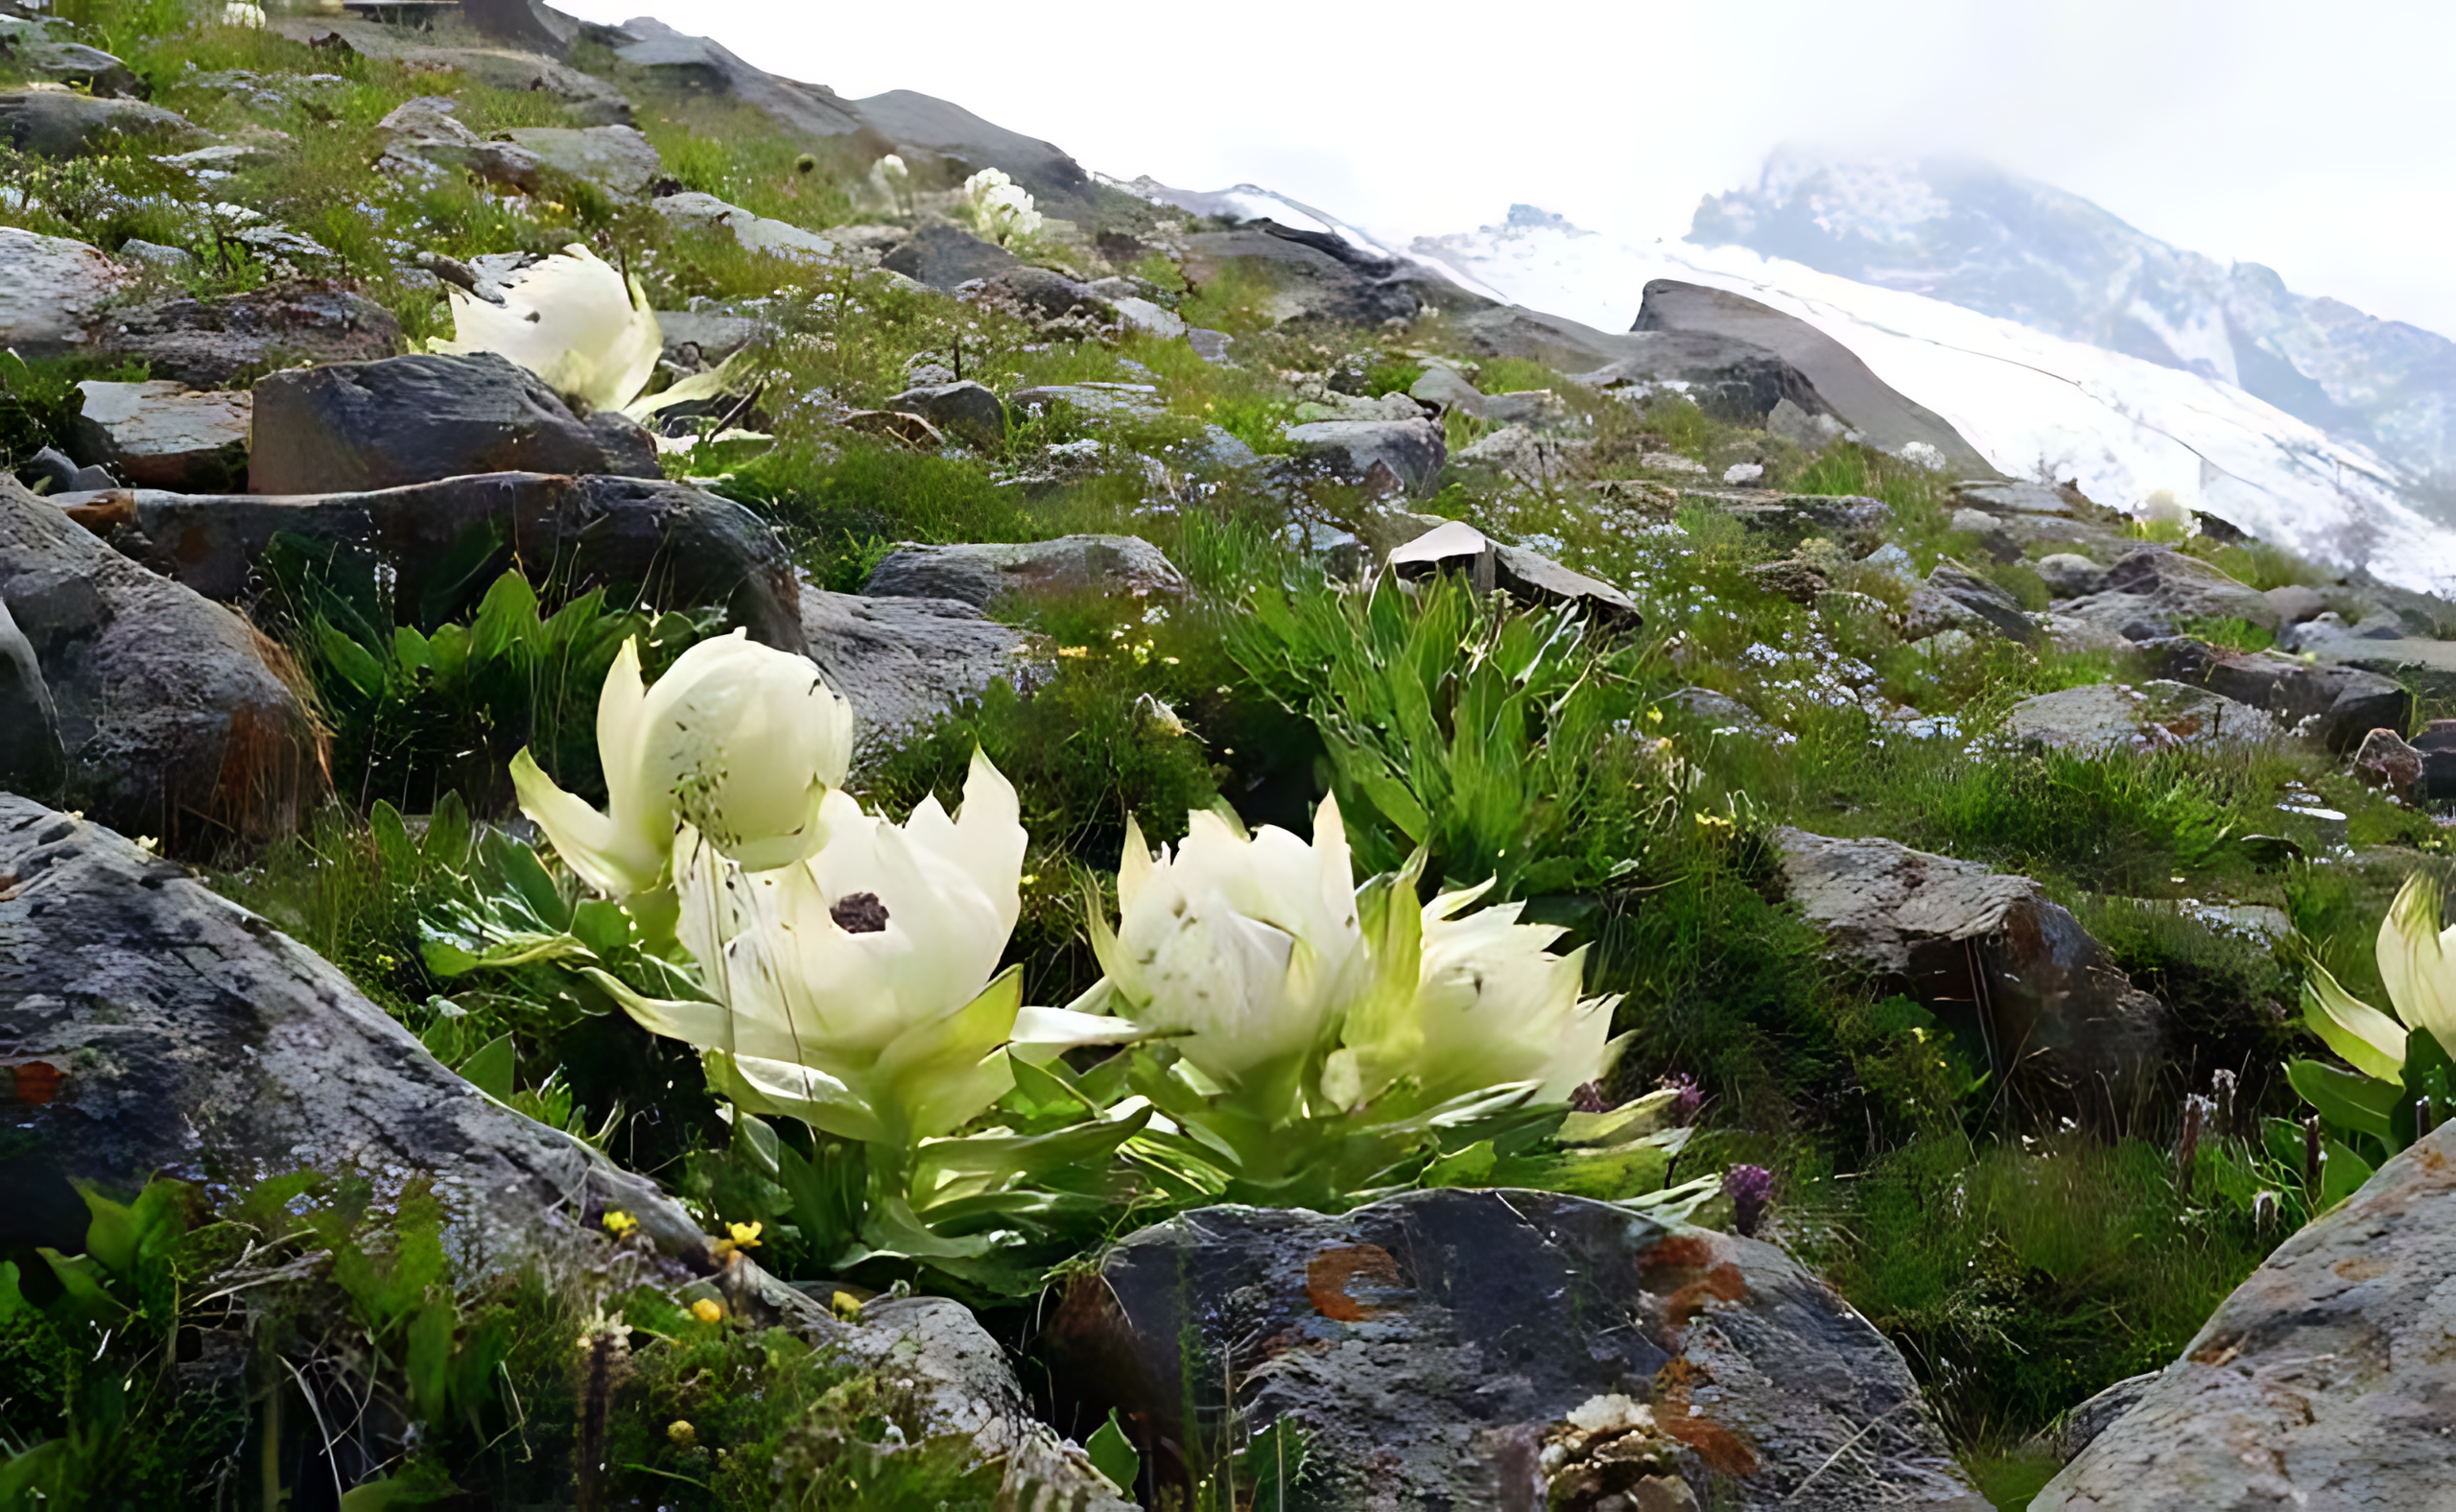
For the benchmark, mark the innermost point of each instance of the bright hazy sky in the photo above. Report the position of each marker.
(2314, 138)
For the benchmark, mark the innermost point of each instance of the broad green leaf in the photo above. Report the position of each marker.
(2367, 1039)
(2355, 1103)
(350, 659)
(490, 1069)
(81, 1278)
(2342, 1173)
(429, 1359)
(1472, 1167)
(1113, 1455)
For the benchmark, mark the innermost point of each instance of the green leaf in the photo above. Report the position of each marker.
(490, 1069)
(81, 1278)
(429, 1362)
(1472, 1167)
(2342, 1173)
(378, 1496)
(1113, 1455)
(353, 661)
(601, 925)
(2357, 1104)
(2367, 1039)
(1274, 1462)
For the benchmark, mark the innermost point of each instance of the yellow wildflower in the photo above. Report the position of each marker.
(746, 1236)
(618, 1222)
(845, 1305)
(683, 1434)
(708, 1309)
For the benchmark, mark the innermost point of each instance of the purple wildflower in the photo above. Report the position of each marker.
(1688, 1100)
(1750, 1187)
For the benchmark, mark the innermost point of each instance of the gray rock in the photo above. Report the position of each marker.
(1410, 452)
(1725, 714)
(2295, 602)
(1729, 379)
(352, 427)
(944, 256)
(2427, 666)
(2322, 1382)
(46, 123)
(1850, 520)
(199, 1042)
(1426, 1343)
(976, 575)
(1956, 597)
(613, 157)
(1317, 276)
(1843, 385)
(698, 66)
(756, 233)
(171, 721)
(1040, 293)
(52, 293)
(904, 664)
(228, 339)
(1794, 424)
(672, 545)
(1142, 315)
(31, 761)
(1536, 407)
(424, 136)
(174, 260)
(946, 142)
(2436, 747)
(527, 24)
(1453, 546)
(2078, 1428)
(1097, 400)
(161, 435)
(1443, 387)
(704, 339)
(589, 101)
(964, 410)
(1212, 346)
(2155, 592)
(2013, 976)
(62, 62)
(2108, 717)
(2385, 761)
(2068, 575)
(2345, 703)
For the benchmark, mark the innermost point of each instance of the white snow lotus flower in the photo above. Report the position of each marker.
(1489, 1004)
(1244, 948)
(2418, 963)
(1002, 209)
(740, 741)
(892, 179)
(586, 331)
(858, 988)
(239, 13)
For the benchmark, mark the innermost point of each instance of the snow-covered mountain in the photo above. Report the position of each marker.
(1971, 234)
(2036, 404)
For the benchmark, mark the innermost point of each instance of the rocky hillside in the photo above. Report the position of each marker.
(713, 796)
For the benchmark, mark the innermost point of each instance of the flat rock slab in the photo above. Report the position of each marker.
(667, 545)
(615, 157)
(208, 343)
(2326, 1382)
(2343, 704)
(52, 293)
(1426, 1343)
(755, 233)
(2155, 592)
(192, 1038)
(2009, 973)
(1954, 597)
(978, 575)
(355, 426)
(171, 723)
(905, 663)
(2428, 666)
(2161, 715)
(162, 434)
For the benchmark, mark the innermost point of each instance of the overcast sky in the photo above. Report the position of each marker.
(2316, 139)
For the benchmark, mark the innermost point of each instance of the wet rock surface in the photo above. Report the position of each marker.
(172, 722)
(1428, 1344)
(2009, 973)
(2325, 1382)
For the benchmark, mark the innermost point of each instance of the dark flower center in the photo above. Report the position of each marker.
(859, 913)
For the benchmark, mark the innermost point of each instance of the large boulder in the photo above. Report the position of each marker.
(174, 1032)
(1108, 565)
(2343, 703)
(171, 720)
(52, 123)
(2326, 1382)
(1954, 597)
(612, 157)
(671, 545)
(1394, 455)
(31, 757)
(905, 663)
(2155, 592)
(753, 233)
(1320, 276)
(1729, 379)
(208, 343)
(161, 435)
(945, 256)
(1844, 385)
(31, 48)
(52, 293)
(2378, 645)
(965, 410)
(1429, 1346)
(350, 426)
(2098, 719)
(694, 65)
(425, 138)
(2013, 977)
(588, 101)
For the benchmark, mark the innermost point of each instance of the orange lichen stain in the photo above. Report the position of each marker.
(2216, 1352)
(2428, 1158)
(1722, 1450)
(2361, 1268)
(1681, 1249)
(38, 1082)
(1723, 1283)
(1327, 1276)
